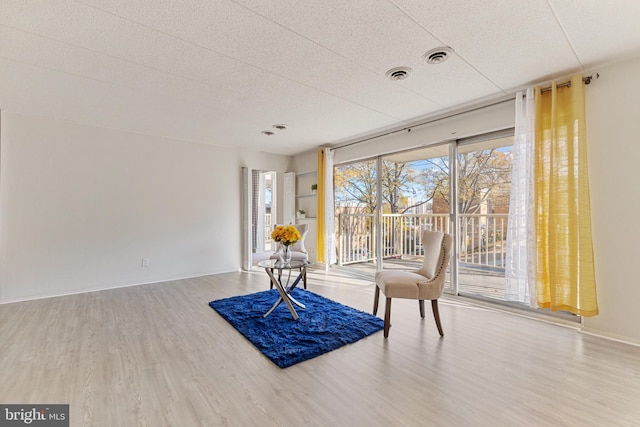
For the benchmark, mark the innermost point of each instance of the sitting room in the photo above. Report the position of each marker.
(153, 155)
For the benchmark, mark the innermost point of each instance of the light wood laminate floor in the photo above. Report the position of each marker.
(158, 355)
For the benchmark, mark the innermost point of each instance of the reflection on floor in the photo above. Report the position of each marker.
(478, 282)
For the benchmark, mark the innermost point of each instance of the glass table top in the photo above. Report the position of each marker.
(276, 263)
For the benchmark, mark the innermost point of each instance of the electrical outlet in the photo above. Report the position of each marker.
(145, 262)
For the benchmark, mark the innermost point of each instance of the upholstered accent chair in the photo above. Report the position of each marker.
(298, 251)
(426, 283)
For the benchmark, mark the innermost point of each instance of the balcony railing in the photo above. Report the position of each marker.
(481, 237)
(268, 229)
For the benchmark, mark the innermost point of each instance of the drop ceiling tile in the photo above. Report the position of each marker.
(41, 51)
(84, 26)
(511, 43)
(601, 31)
(33, 90)
(378, 36)
(374, 34)
(450, 83)
(86, 64)
(263, 46)
(219, 72)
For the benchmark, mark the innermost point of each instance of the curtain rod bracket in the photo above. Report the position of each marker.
(587, 79)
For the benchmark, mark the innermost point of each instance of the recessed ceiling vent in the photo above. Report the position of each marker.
(437, 55)
(398, 73)
(280, 126)
(268, 133)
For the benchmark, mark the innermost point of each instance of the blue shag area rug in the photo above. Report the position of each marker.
(323, 326)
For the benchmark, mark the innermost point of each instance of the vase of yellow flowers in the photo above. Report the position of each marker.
(286, 235)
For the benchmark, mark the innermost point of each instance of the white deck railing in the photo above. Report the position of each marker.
(481, 237)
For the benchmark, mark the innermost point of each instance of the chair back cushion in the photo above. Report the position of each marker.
(436, 247)
(298, 246)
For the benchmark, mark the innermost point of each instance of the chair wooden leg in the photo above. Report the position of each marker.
(436, 315)
(304, 277)
(387, 317)
(421, 305)
(376, 298)
(270, 282)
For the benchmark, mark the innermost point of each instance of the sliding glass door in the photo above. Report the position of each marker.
(416, 195)
(460, 187)
(383, 204)
(483, 178)
(355, 201)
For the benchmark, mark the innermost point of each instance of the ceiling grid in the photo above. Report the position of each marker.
(221, 72)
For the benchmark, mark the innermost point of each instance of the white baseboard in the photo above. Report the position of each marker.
(84, 291)
(600, 334)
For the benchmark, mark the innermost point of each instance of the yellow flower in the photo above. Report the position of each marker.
(287, 235)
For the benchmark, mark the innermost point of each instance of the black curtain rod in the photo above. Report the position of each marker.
(586, 80)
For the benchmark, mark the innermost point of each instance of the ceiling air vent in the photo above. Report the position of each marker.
(268, 132)
(280, 127)
(437, 55)
(398, 73)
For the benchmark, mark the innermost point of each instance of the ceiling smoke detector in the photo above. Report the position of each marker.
(268, 132)
(437, 55)
(280, 127)
(398, 73)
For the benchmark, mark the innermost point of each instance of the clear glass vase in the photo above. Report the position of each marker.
(286, 254)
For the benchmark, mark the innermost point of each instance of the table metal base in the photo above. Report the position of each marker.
(285, 292)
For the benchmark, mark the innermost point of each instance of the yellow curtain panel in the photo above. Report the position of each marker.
(565, 275)
(320, 221)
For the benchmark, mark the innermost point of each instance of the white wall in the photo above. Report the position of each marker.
(613, 133)
(306, 162)
(81, 206)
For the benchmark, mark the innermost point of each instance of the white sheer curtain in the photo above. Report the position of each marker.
(329, 212)
(260, 214)
(521, 246)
